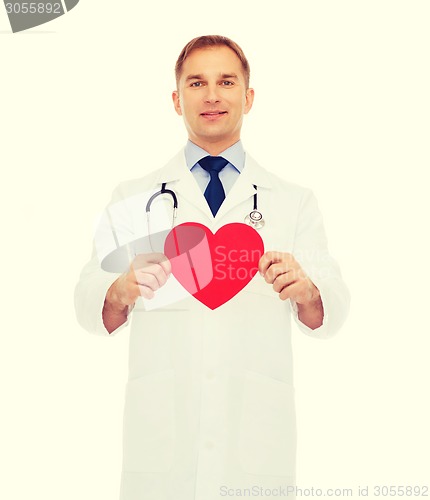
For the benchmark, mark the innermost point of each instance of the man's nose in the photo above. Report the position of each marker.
(212, 93)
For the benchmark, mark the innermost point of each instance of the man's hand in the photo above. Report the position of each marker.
(147, 273)
(290, 281)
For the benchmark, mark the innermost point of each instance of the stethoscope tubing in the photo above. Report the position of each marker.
(254, 218)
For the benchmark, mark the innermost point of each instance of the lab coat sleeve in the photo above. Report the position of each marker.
(311, 251)
(94, 282)
(90, 294)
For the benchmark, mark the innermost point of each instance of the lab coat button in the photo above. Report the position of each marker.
(209, 445)
(210, 375)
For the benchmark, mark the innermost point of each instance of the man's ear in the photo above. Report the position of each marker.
(177, 102)
(249, 100)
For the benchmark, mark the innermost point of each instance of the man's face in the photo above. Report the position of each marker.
(212, 97)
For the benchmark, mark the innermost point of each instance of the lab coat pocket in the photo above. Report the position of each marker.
(267, 436)
(149, 423)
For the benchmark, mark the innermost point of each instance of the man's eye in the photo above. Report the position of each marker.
(196, 84)
(227, 83)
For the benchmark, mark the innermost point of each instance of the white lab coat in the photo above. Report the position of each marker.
(210, 399)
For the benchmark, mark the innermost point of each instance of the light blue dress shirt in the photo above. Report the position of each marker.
(234, 154)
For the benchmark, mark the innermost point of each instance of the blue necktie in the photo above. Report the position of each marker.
(214, 192)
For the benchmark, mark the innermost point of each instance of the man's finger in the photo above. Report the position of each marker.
(147, 279)
(146, 292)
(265, 262)
(289, 291)
(272, 257)
(155, 270)
(283, 281)
(143, 261)
(276, 270)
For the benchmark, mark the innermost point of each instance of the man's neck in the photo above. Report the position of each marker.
(214, 148)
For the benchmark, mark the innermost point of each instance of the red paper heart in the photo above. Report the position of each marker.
(213, 267)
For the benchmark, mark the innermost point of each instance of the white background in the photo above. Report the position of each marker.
(342, 106)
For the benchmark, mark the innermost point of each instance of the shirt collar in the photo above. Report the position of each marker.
(235, 155)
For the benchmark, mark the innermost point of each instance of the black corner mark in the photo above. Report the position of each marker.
(25, 14)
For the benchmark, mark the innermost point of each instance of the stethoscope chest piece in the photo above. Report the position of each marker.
(255, 219)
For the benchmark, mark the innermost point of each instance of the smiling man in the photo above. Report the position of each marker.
(210, 399)
(213, 96)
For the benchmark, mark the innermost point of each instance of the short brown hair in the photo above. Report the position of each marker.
(203, 42)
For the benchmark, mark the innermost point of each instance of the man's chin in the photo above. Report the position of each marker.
(214, 132)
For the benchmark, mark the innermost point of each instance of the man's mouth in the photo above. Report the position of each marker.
(213, 113)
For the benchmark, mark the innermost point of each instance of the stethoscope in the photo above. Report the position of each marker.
(253, 219)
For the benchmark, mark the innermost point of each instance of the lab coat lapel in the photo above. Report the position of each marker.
(184, 184)
(243, 188)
